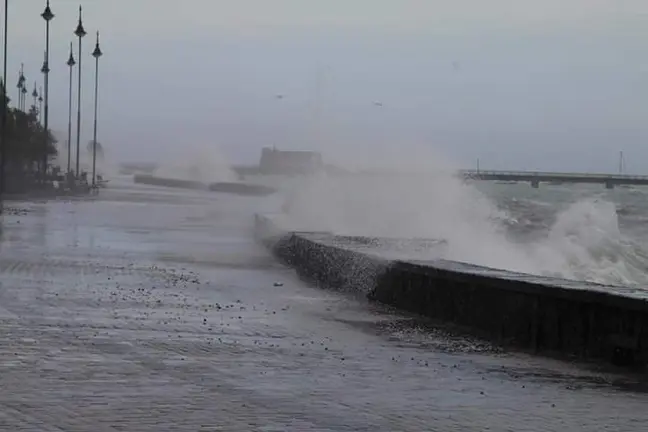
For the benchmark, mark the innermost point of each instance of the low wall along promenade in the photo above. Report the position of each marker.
(544, 315)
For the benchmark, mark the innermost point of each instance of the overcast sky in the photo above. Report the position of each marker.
(520, 84)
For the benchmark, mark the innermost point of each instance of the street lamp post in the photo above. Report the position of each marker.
(40, 105)
(70, 64)
(35, 96)
(79, 32)
(47, 16)
(96, 54)
(3, 143)
(24, 98)
(20, 86)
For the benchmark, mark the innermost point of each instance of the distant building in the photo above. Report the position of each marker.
(275, 161)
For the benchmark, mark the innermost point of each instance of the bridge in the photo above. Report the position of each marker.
(537, 177)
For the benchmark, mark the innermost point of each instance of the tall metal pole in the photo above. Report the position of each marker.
(79, 32)
(3, 147)
(71, 64)
(40, 105)
(621, 162)
(3, 143)
(21, 86)
(35, 96)
(96, 54)
(24, 99)
(23, 82)
(47, 16)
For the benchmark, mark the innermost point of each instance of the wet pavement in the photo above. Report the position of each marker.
(153, 309)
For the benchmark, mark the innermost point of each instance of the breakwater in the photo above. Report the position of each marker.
(241, 188)
(544, 315)
(224, 187)
(168, 182)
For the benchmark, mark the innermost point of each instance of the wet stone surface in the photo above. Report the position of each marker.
(149, 309)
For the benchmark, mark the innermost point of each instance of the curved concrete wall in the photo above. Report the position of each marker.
(548, 315)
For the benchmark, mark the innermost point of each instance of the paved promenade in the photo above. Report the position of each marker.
(153, 310)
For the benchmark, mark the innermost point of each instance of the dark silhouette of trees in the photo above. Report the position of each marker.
(26, 138)
(25, 145)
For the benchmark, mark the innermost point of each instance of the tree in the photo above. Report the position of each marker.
(27, 144)
(27, 139)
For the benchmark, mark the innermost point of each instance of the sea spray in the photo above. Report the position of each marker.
(584, 242)
(197, 163)
(408, 206)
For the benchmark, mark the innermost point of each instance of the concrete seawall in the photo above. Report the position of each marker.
(544, 315)
(168, 182)
(236, 188)
(241, 188)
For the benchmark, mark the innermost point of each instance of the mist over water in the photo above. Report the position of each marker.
(197, 163)
(554, 231)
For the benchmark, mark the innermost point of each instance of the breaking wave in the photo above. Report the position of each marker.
(581, 239)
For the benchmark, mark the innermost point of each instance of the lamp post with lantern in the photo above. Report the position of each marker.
(96, 54)
(70, 64)
(47, 16)
(80, 33)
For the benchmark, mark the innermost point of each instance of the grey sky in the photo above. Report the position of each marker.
(554, 84)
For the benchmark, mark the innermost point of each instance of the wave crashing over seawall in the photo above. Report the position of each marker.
(583, 238)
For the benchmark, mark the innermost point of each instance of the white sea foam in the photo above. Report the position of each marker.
(428, 200)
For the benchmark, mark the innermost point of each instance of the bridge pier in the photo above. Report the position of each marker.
(535, 184)
(609, 184)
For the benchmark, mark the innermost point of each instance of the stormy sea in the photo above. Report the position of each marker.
(578, 232)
